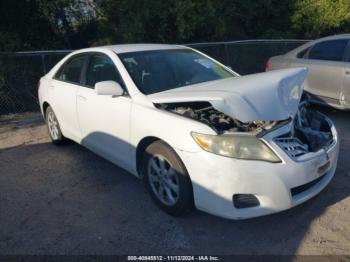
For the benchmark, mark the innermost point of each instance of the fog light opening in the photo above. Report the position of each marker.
(245, 200)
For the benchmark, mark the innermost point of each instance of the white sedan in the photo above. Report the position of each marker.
(196, 132)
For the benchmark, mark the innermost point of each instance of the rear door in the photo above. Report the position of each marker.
(301, 58)
(63, 89)
(326, 64)
(104, 120)
(345, 93)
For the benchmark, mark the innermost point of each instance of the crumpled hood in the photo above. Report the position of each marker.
(270, 96)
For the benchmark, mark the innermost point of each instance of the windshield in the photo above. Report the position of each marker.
(161, 70)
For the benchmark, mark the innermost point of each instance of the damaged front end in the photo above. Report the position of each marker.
(241, 113)
(311, 132)
(221, 123)
(233, 138)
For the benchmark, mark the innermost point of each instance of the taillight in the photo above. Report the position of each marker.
(39, 82)
(267, 65)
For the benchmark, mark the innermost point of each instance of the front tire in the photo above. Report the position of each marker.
(54, 127)
(166, 179)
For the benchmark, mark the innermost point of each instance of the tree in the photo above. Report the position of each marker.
(41, 24)
(73, 24)
(266, 18)
(23, 26)
(166, 21)
(74, 20)
(315, 18)
(197, 20)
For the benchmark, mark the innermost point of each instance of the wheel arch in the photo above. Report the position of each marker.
(140, 149)
(45, 106)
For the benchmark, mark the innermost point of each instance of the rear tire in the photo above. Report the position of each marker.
(166, 179)
(54, 127)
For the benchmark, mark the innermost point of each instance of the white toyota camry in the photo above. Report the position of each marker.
(196, 132)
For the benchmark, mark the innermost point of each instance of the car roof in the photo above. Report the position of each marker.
(341, 36)
(126, 48)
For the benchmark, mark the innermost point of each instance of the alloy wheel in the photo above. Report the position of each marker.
(164, 180)
(53, 125)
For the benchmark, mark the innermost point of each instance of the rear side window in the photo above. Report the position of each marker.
(332, 50)
(303, 54)
(101, 68)
(70, 71)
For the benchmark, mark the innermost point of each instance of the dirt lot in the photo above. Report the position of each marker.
(67, 200)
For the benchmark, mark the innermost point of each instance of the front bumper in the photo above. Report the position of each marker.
(216, 179)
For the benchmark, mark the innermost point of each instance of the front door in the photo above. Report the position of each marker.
(104, 120)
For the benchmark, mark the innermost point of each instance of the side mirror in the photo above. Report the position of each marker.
(108, 88)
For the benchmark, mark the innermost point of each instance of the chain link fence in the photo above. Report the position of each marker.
(19, 76)
(21, 71)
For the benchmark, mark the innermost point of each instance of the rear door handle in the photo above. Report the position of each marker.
(347, 72)
(80, 97)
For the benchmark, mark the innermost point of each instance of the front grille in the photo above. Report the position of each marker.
(292, 146)
(300, 189)
(245, 200)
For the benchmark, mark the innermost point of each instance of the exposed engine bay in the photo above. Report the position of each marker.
(207, 114)
(311, 129)
(311, 132)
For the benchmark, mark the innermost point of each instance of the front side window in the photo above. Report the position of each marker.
(70, 71)
(161, 70)
(332, 50)
(101, 68)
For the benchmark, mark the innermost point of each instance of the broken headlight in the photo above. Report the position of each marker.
(238, 146)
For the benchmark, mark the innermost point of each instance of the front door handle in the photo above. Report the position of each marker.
(80, 97)
(347, 72)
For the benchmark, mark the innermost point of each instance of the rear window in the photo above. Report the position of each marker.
(332, 50)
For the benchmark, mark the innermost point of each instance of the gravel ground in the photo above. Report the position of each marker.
(67, 200)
